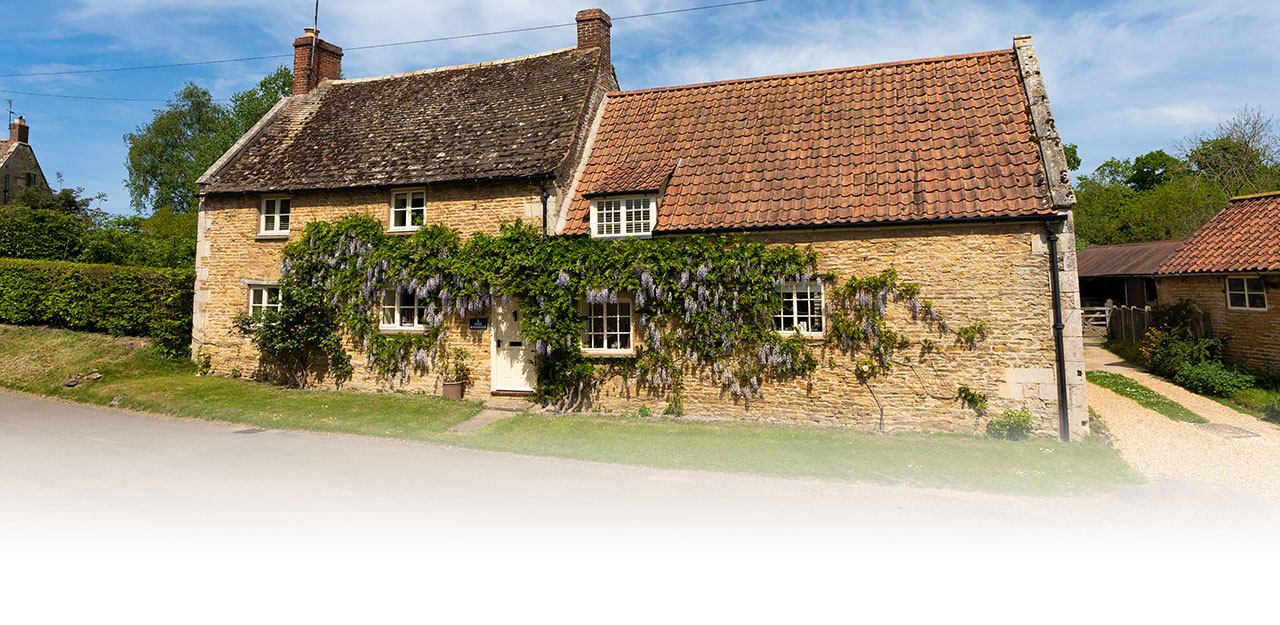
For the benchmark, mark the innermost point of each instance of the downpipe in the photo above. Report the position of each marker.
(1064, 423)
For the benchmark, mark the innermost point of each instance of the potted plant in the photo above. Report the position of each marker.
(454, 373)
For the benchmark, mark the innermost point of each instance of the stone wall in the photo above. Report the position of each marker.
(998, 273)
(1253, 336)
(231, 255)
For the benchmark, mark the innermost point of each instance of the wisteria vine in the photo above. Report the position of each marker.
(703, 305)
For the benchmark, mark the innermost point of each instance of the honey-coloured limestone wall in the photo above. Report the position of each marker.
(990, 272)
(231, 256)
(1252, 336)
(995, 272)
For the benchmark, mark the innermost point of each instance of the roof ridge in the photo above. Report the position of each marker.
(1136, 243)
(1255, 195)
(716, 83)
(449, 68)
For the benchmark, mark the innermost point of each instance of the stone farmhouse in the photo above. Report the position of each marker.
(948, 170)
(1231, 268)
(19, 168)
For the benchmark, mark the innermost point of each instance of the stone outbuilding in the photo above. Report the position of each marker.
(1231, 269)
(19, 168)
(948, 170)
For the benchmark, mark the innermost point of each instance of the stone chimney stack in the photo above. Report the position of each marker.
(309, 69)
(19, 131)
(593, 31)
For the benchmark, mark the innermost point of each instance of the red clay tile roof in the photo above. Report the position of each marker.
(1243, 237)
(918, 140)
(502, 119)
(1126, 259)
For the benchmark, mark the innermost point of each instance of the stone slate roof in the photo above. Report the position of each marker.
(1126, 259)
(1240, 238)
(921, 140)
(501, 119)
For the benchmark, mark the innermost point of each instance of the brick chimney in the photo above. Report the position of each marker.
(593, 31)
(19, 131)
(327, 61)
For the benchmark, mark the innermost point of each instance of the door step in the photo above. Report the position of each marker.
(509, 403)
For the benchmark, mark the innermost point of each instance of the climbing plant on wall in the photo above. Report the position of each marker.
(703, 305)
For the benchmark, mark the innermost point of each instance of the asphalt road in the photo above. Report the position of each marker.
(86, 489)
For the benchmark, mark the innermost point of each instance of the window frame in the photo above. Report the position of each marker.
(266, 289)
(418, 305)
(408, 210)
(262, 215)
(627, 299)
(793, 288)
(1246, 292)
(622, 222)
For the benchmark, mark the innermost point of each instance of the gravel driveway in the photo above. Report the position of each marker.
(1161, 448)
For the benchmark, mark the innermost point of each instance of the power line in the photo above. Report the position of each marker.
(365, 47)
(87, 97)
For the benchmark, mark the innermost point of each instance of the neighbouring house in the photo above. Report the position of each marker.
(1231, 269)
(1123, 274)
(19, 168)
(948, 170)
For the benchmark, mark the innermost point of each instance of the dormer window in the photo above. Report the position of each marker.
(619, 216)
(408, 209)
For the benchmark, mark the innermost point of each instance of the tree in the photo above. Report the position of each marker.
(1073, 156)
(168, 155)
(1241, 155)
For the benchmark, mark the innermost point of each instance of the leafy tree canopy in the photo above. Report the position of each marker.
(1159, 195)
(168, 154)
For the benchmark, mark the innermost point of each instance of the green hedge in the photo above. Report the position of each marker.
(102, 298)
(40, 233)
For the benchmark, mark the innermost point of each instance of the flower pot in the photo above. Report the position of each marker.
(453, 390)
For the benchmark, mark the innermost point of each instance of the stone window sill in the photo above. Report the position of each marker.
(268, 236)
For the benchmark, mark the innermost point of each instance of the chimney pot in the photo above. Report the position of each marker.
(314, 60)
(19, 131)
(593, 31)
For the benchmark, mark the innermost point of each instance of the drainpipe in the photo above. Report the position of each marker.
(1064, 423)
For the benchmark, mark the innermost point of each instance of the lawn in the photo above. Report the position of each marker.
(1145, 396)
(38, 360)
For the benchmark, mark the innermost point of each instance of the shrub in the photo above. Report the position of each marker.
(40, 234)
(1012, 425)
(299, 342)
(101, 298)
(1211, 377)
(1166, 348)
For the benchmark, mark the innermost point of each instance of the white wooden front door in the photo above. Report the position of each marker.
(510, 357)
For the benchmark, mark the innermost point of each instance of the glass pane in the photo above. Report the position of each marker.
(284, 221)
(388, 298)
(1257, 300)
(268, 222)
(257, 296)
(399, 221)
(399, 200)
(273, 296)
(1235, 284)
(1236, 299)
(418, 217)
(283, 206)
(1253, 285)
(406, 316)
(419, 200)
(268, 207)
(388, 316)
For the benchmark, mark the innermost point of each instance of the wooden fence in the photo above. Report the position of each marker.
(1130, 323)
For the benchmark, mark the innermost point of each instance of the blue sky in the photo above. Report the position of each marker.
(1123, 78)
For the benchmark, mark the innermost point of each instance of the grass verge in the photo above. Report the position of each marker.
(38, 360)
(1144, 396)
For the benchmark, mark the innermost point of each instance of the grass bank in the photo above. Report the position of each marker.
(38, 360)
(1143, 395)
